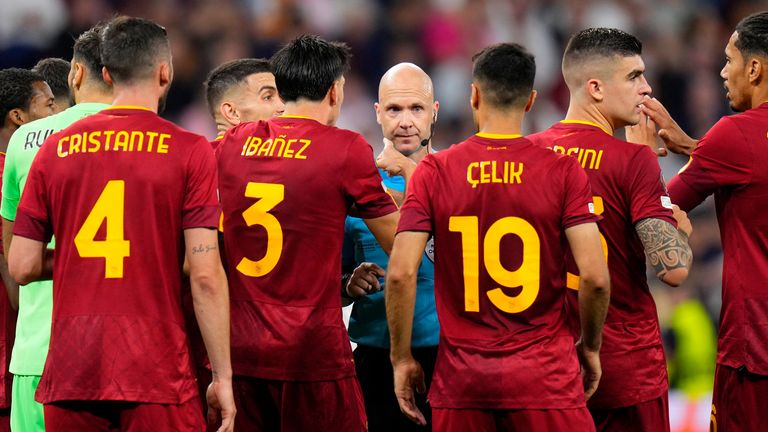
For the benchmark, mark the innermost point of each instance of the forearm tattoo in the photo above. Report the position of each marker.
(666, 247)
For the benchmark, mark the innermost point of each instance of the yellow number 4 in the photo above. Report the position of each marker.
(270, 195)
(109, 208)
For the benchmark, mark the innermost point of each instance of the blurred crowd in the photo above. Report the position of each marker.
(683, 51)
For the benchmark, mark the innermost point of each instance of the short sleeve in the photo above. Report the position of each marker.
(32, 217)
(11, 192)
(722, 158)
(201, 204)
(578, 207)
(648, 196)
(416, 212)
(362, 183)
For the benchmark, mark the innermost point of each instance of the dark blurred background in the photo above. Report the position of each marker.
(683, 51)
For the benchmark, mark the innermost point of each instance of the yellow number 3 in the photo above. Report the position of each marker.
(110, 207)
(270, 195)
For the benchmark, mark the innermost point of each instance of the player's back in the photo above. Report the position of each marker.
(627, 187)
(286, 185)
(121, 186)
(500, 206)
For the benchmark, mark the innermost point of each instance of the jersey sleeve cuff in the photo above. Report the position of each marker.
(378, 207)
(201, 217)
(579, 220)
(32, 228)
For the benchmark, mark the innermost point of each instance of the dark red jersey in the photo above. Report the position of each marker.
(731, 163)
(498, 207)
(286, 185)
(118, 189)
(627, 187)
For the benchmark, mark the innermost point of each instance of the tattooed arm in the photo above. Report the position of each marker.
(667, 248)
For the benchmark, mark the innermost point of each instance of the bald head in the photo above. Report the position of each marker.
(406, 107)
(406, 77)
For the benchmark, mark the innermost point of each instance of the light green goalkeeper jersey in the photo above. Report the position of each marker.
(33, 328)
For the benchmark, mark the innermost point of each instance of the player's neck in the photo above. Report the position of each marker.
(499, 122)
(589, 113)
(309, 109)
(759, 96)
(5, 137)
(139, 96)
(93, 96)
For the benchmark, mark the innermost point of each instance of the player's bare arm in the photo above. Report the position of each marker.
(667, 248)
(10, 285)
(29, 260)
(676, 140)
(384, 229)
(594, 296)
(400, 299)
(211, 301)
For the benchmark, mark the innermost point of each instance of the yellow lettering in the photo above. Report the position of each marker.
(121, 141)
(253, 147)
(162, 147)
(599, 158)
(281, 139)
(559, 149)
(494, 179)
(94, 142)
(59, 150)
(265, 148)
(470, 178)
(300, 154)
(245, 146)
(285, 149)
(286, 145)
(515, 176)
(108, 135)
(137, 141)
(74, 144)
(151, 140)
(484, 176)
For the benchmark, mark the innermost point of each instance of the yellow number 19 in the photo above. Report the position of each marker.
(109, 208)
(526, 276)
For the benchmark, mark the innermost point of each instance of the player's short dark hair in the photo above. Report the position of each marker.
(230, 74)
(132, 47)
(55, 72)
(87, 51)
(752, 38)
(601, 42)
(16, 90)
(307, 66)
(504, 73)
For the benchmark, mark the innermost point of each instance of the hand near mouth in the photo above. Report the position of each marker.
(675, 139)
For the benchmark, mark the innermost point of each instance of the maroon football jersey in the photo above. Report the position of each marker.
(498, 207)
(286, 185)
(731, 162)
(628, 187)
(117, 189)
(7, 330)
